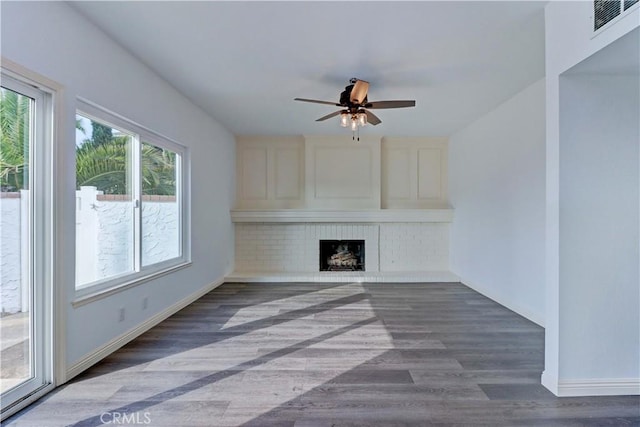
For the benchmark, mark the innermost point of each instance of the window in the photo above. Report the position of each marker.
(160, 210)
(130, 201)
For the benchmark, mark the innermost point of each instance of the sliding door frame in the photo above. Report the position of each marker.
(48, 314)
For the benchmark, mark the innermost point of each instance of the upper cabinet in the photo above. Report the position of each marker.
(342, 173)
(270, 173)
(414, 173)
(334, 172)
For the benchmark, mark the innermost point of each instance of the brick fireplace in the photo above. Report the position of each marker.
(277, 243)
(294, 191)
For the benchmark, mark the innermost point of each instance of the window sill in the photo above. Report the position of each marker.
(90, 297)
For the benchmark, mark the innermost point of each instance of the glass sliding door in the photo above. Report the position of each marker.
(25, 356)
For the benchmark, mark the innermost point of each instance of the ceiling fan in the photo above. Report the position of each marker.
(355, 105)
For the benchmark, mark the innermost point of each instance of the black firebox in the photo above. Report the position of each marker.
(342, 255)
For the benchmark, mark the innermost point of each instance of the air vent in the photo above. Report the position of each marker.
(604, 11)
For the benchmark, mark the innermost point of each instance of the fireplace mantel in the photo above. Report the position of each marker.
(342, 216)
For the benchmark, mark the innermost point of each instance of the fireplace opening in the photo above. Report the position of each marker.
(342, 255)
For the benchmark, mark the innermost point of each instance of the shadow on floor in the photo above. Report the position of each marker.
(342, 354)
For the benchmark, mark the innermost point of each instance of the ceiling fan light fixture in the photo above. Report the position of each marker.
(344, 119)
(354, 101)
(362, 118)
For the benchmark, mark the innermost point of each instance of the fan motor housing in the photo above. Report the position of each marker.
(345, 97)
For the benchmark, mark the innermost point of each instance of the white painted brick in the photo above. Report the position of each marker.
(295, 247)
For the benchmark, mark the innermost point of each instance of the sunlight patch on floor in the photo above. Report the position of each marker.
(279, 359)
(307, 300)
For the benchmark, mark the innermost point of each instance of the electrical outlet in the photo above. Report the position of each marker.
(121, 314)
(145, 303)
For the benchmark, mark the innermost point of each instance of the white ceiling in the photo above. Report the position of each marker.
(244, 62)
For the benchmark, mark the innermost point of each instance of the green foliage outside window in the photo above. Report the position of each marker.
(14, 140)
(101, 160)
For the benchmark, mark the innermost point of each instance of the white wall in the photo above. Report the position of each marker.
(496, 187)
(569, 35)
(569, 40)
(66, 48)
(599, 229)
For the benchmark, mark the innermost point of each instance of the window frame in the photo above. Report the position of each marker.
(88, 292)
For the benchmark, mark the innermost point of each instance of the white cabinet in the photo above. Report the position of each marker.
(269, 172)
(414, 173)
(334, 172)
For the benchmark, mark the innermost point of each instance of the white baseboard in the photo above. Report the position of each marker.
(522, 311)
(97, 355)
(550, 382)
(599, 387)
(344, 277)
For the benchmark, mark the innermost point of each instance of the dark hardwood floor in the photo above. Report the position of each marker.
(329, 355)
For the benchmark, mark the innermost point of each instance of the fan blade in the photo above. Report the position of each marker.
(372, 118)
(328, 116)
(359, 92)
(390, 104)
(315, 101)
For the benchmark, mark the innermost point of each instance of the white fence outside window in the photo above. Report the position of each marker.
(99, 246)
